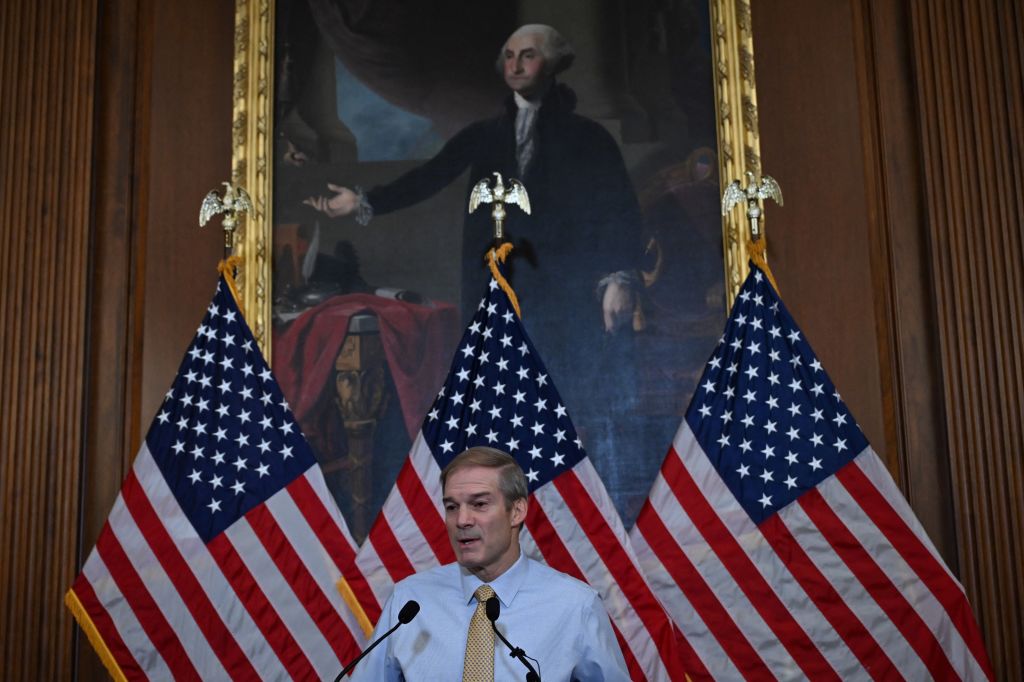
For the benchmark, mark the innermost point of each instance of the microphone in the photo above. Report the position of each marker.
(407, 613)
(493, 608)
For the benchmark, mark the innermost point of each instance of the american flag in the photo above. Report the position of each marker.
(776, 537)
(224, 553)
(499, 394)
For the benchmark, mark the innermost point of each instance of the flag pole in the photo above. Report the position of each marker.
(233, 203)
(753, 195)
(497, 194)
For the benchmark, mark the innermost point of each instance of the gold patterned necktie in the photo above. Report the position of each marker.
(479, 663)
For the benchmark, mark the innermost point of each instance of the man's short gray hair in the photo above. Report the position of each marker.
(557, 51)
(511, 480)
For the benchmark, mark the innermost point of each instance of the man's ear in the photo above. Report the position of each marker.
(519, 511)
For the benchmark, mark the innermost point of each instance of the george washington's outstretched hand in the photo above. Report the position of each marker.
(342, 202)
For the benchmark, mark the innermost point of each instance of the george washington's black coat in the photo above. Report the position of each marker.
(584, 225)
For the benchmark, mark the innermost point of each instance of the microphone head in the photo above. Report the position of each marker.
(493, 607)
(408, 611)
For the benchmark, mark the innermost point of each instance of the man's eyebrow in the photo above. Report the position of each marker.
(473, 496)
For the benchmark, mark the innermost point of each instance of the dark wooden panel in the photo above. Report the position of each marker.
(163, 141)
(899, 236)
(113, 359)
(967, 57)
(189, 153)
(819, 243)
(46, 106)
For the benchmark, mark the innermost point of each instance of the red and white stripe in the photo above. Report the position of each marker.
(841, 584)
(571, 525)
(259, 602)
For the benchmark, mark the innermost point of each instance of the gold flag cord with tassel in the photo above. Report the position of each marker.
(498, 255)
(756, 250)
(227, 268)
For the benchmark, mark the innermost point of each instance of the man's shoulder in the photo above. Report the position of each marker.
(430, 578)
(554, 580)
(485, 126)
(585, 132)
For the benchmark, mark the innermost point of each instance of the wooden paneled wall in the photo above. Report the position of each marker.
(163, 140)
(897, 131)
(115, 121)
(969, 62)
(46, 115)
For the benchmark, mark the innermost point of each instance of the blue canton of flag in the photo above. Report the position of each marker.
(225, 439)
(498, 394)
(765, 412)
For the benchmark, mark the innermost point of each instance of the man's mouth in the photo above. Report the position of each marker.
(467, 542)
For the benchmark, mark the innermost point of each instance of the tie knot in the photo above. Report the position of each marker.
(483, 593)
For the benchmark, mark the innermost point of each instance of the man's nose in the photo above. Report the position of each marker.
(463, 518)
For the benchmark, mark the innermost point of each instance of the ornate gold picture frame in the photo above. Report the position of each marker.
(735, 106)
(635, 406)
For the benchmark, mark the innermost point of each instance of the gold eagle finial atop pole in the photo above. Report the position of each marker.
(753, 194)
(499, 195)
(232, 204)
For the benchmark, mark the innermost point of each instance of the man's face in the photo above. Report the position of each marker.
(482, 527)
(525, 68)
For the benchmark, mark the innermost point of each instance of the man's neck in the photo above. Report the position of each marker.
(490, 573)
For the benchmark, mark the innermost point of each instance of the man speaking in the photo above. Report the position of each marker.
(558, 621)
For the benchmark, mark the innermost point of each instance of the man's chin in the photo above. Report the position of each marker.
(466, 555)
(523, 87)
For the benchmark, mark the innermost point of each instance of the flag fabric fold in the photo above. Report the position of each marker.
(224, 555)
(498, 393)
(775, 536)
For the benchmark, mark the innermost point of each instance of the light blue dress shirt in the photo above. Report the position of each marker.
(556, 619)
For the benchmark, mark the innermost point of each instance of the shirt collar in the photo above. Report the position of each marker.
(523, 103)
(506, 586)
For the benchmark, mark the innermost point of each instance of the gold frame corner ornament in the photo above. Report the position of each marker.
(252, 142)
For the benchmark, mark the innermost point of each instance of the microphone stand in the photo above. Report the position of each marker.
(368, 649)
(493, 608)
(407, 613)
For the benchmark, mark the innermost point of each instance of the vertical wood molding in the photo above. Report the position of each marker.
(46, 139)
(910, 373)
(968, 59)
(111, 421)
